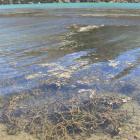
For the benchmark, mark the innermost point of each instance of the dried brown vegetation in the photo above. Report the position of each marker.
(64, 119)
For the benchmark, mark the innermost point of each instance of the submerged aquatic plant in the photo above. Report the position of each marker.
(64, 119)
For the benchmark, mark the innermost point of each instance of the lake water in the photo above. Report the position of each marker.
(73, 5)
(70, 50)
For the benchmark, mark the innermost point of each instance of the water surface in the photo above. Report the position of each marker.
(105, 5)
(68, 50)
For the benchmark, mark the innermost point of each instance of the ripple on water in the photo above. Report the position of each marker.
(79, 53)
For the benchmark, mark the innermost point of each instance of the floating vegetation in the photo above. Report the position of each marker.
(61, 72)
(65, 118)
(85, 28)
(113, 63)
(33, 76)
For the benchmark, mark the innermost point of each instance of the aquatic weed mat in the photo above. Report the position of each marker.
(74, 118)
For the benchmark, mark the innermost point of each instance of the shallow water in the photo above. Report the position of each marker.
(68, 50)
(105, 5)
